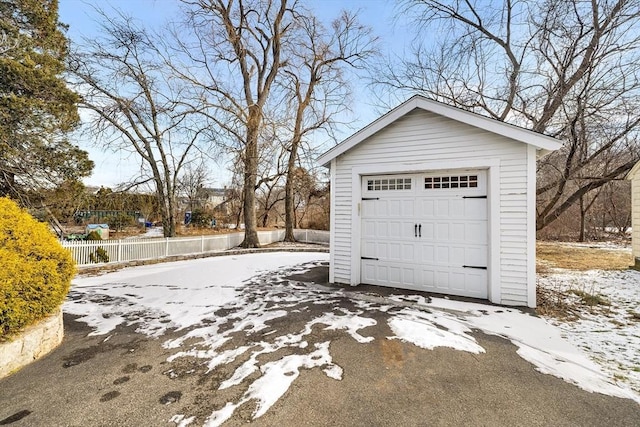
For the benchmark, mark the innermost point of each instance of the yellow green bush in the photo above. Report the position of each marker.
(35, 270)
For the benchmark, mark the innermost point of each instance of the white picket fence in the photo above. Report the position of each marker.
(85, 252)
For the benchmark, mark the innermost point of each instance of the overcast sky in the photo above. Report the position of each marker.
(112, 168)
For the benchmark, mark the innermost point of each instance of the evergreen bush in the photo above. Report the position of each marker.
(35, 270)
(94, 235)
(201, 218)
(100, 255)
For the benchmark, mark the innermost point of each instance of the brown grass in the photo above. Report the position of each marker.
(558, 303)
(558, 255)
(181, 231)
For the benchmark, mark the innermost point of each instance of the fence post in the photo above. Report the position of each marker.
(166, 247)
(201, 243)
(119, 250)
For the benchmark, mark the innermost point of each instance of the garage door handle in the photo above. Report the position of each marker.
(420, 230)
(474, 266)
(415, 230)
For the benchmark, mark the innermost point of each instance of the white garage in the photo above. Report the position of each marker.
(426, 238)
(432, 198)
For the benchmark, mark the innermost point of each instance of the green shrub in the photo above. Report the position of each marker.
(94, 235)
(100, 255)
(35, 270)
(201, 218)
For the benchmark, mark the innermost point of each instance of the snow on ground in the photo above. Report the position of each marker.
(537, 340)
(171, 295)
(150, 233)
(254, 296)
(609, 334)
(611, 245)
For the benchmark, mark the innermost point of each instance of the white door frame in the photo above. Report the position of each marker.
(492, 165)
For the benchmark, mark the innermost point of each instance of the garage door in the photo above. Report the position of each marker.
(426, 232)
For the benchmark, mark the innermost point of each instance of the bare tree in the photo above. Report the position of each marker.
(234, 57)
(617, 211)
(233, 199)
(315, 85)
(570, 69)
(134, 106)
(270, 196)
(271, 170)
(304, 190)
(192, 182)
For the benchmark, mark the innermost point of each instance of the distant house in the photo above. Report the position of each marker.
(203, 198)
(432, 198)
(634, 177)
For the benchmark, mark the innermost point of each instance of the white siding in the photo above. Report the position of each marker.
(421, 136)
(635, 219)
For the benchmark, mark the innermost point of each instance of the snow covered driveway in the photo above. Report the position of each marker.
(254, 323)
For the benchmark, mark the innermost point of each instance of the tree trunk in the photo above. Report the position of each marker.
(250, 178)
(289, 210)
(582, 215)
(168, 221)
(167, 209)
(238, 215)
(249, 208)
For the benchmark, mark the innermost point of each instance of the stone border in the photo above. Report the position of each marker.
(31, 344)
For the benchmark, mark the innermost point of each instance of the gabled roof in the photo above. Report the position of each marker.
(538, 140)
(634, 170)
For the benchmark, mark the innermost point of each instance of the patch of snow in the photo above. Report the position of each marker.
(150, 233)
(181, 420)
(610, 335)
(276, 379)
(538, 341)
(334, 371)
(616, 245)
(430, 330)
(347, 321)
(210, 301)
(173, 295)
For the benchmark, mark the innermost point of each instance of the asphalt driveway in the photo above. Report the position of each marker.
(129, 378)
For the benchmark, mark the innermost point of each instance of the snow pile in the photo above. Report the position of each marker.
(214, 300)
(609, 334)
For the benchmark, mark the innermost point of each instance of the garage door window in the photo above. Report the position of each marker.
(389, 184)
(457, 181)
